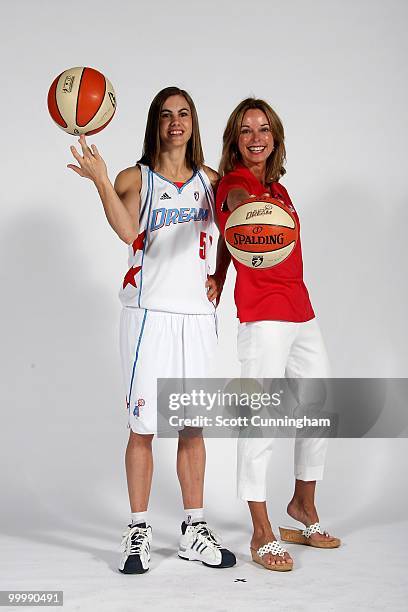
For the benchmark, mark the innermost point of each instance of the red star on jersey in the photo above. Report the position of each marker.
(138, 242)
(130, 276)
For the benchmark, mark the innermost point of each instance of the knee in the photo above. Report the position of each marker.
(137, 440)
(191, 437)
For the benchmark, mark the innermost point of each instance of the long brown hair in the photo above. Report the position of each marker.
(151, 145)
(230, 152)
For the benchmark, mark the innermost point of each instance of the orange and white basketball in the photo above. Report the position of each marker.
(81, 101)
(261, 233)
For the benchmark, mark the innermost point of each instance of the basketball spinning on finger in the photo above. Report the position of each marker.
(81, 101)
(261, 232)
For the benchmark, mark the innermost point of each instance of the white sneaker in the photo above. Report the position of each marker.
(135, 548)
(199, 543)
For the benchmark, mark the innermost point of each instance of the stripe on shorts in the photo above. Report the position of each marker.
(137, 355)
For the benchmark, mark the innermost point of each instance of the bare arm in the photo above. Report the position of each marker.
(213, 177)
(121, 202)
(234, 199)
(128, 184)
(215, 282)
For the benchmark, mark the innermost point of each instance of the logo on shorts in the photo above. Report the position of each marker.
(138, 405)
(196, 195)
(257, 260)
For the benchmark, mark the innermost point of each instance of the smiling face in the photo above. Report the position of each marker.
(176, 124)
(255, 142)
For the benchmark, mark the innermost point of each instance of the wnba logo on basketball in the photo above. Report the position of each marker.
(257, 261)
(265, 243)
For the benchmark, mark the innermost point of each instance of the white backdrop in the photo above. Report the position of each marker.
(334, 71)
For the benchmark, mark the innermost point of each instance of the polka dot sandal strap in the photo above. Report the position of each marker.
(273, 548)
(315, 528)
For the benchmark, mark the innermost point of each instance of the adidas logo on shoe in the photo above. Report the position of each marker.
(200, 543)
(135, 549)
(165, 196)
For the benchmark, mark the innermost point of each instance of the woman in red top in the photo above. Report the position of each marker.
(278, 334)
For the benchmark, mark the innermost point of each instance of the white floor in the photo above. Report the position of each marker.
(367, 573)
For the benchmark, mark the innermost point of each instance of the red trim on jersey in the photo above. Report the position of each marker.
(178, 184)
(273, 294)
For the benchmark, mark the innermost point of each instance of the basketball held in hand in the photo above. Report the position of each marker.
(81, 101)
(261, 233)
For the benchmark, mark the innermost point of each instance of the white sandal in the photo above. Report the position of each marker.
(299, 536)
(271, 548)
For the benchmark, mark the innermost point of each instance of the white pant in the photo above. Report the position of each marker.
(275, 349)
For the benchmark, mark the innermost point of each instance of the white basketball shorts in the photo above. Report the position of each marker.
(156, 344)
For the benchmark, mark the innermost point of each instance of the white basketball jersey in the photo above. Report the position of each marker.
(168, 261)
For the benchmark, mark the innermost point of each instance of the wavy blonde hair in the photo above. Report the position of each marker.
(230, 152)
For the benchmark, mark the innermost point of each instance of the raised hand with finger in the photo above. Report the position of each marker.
(91, 164)
(120, 202)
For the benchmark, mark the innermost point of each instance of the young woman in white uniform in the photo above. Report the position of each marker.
(163, 208)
